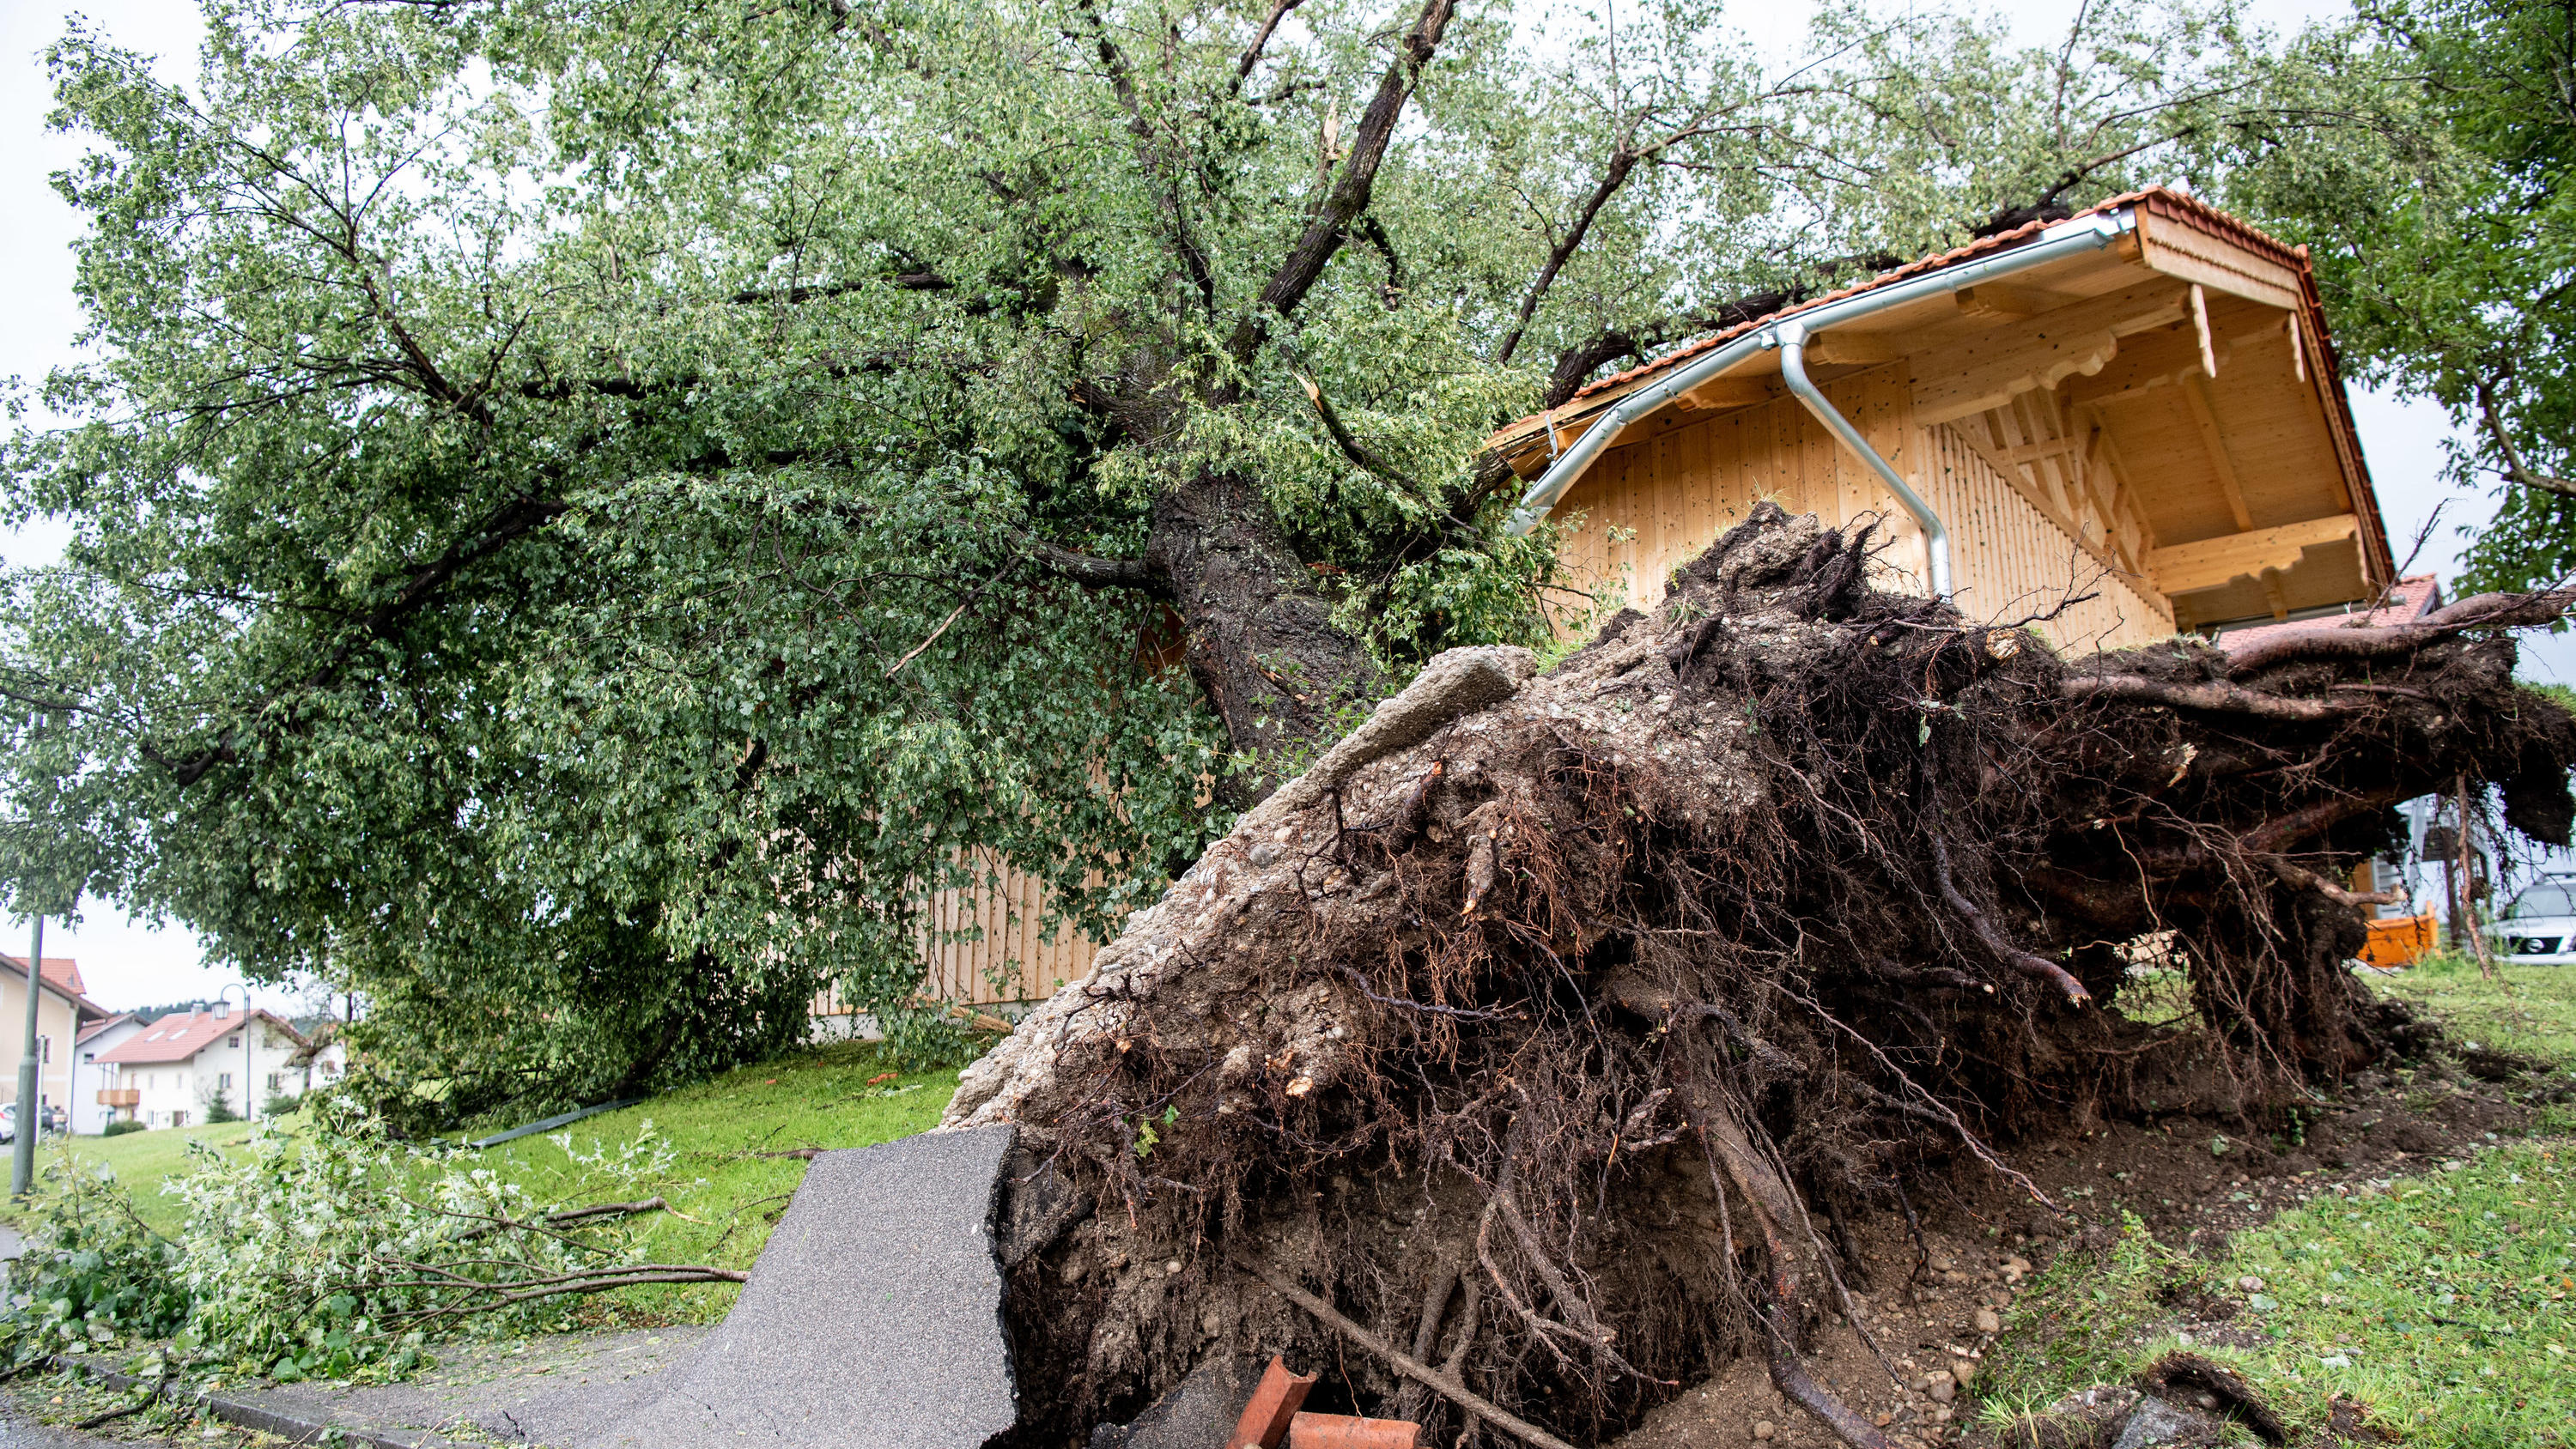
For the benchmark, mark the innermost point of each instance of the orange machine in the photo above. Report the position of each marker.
(2399, 941)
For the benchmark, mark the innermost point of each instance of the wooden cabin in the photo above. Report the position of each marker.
(2156, 422)
(2153, 418)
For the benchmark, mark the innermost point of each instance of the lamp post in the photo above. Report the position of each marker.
(226, 994)
(22, 1157)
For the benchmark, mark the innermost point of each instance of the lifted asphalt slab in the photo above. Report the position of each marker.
(873, 1320)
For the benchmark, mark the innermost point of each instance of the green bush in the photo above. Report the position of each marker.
(220, 1109)
(335, 1252)
(91, 1275)
(121, 1126)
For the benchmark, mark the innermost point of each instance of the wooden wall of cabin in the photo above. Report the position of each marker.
(984, 946)
(1668, 497)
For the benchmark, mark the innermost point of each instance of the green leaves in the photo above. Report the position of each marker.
(525, 438)
(2423, 153)
(91, 1275)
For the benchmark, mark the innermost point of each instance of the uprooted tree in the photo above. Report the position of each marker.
(585, 516)
(1740, 915)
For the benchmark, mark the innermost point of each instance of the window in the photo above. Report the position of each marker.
(2546, 899)
(45, 1050)
(234, 1043)
(223, 1081)
(276, 1082)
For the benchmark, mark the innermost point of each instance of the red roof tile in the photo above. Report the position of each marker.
(2413, 597)
(95, 1027)
(176, 1038)
(61, 972)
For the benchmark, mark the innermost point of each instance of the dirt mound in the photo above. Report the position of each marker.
(1551, 1029)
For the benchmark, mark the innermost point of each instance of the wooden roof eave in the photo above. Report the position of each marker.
(2181, 239)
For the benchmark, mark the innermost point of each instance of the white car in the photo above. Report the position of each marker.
(2539, 928)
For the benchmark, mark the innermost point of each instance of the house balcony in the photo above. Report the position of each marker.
(119, 1096)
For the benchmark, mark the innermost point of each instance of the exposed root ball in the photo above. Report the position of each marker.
(1552, 1024)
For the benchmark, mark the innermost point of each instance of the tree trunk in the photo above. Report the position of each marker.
(1262, 641)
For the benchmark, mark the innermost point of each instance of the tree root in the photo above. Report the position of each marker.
(1438, 1006)
(1431, 1378)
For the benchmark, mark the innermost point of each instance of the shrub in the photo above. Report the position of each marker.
(340, 1252)
(336, 1252)
(121, 1126)
(91, 1274)
(219, 1108)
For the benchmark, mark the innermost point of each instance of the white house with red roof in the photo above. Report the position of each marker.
(62, 1009)
(170, 1073)
(93, 1105)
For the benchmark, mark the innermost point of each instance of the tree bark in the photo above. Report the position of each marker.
(1262, 641)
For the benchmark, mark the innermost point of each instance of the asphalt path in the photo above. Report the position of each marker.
(17, 1431)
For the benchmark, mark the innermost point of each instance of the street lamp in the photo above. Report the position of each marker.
(246, 1040)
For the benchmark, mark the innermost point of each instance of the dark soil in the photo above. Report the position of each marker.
(1576, 1032)
(1981, 1240)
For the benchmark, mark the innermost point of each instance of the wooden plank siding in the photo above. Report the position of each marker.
(1651, 505)
(1007, 961)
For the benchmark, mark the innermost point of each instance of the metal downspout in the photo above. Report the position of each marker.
(2068, 238)
(1791, 338)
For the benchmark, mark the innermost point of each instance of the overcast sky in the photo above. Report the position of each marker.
(129, 963)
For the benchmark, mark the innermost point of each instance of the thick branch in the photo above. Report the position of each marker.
(1352, 448)
(1304, 265)
(1101, 573)
(815, 291)
(2216, 695)
(2480, 611)
(1261, 41)
(1613, 176)
(2514, 467)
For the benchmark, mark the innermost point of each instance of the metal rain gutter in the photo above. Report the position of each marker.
(2066, 239)
(1791, 338)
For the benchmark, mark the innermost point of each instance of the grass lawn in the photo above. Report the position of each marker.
(712, 1152)
(143, 1160)
(2441, 1302)
(2526, 1009)
(724, 1192)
